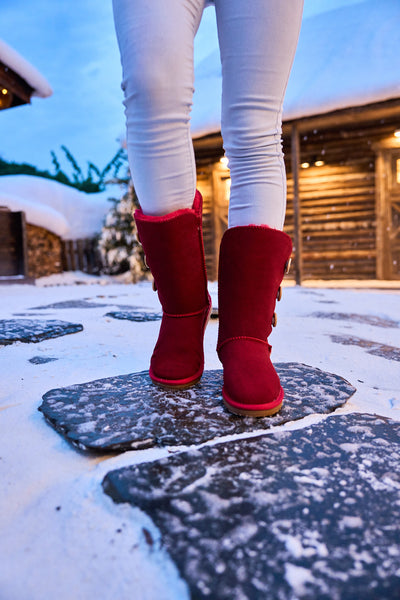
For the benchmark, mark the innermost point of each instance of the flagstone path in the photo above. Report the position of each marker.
(129, 411)
(312, 513)
(248, 509)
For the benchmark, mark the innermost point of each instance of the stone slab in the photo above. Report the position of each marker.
(82, 303)
(135, 315)
(34, 330)
(30, 314)
(312, 513)
(130, 412)
(356, 318)
(87, 303)
(41, 360)
(374, 348)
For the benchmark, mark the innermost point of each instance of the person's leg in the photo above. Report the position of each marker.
(156, 45)
(257, 42)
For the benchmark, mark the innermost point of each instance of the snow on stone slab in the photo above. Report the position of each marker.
(374, 348)
(130, 412)
(310, 513)
(137, 316)
(357, 318)
(60, 208)
(126, 312)
(80, 304)
(34, 330)
(11, 58)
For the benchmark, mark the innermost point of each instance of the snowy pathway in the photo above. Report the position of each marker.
(305, 508)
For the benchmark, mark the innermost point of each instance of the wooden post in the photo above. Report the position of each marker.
(25, 264)
(381, 220)
(298, 242)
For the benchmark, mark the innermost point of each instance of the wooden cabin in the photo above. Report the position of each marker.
(47, 227)
(19, 80)
(341, 140)
(343, 201)
(21, 243)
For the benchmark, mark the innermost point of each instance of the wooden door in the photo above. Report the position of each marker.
(12, 243)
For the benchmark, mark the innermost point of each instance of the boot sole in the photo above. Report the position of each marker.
(252, 413)
(244, 411)
(178, 386)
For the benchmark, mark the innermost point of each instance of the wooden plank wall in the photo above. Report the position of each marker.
(338, 200)
(338, 221)
(205, 185)
(82, 255)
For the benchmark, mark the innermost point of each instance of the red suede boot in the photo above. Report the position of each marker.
(174, 250)
(252, 263)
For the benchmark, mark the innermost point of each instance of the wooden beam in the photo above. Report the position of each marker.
(375, 112)
(21, 90)
(295, 157)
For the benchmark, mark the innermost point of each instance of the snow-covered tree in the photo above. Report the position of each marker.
(118, 243)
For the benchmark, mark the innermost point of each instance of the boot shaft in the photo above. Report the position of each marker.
(251, 268)
(173, 245)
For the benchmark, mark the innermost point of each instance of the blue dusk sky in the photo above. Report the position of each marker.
(73, 45)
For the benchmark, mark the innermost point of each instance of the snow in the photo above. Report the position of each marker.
(60, 535)
(61, 209)
(346, 57)
(298, 577)
(24, 69)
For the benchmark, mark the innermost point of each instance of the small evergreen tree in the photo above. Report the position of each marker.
(118, 243)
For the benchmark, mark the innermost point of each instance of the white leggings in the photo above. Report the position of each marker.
(257, 41)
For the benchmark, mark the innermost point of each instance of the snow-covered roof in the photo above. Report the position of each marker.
(62, 209)
(24, 69)
(346, 57)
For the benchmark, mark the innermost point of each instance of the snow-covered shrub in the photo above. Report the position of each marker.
(118, 243)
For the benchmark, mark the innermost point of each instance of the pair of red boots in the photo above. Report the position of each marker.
(252, 263)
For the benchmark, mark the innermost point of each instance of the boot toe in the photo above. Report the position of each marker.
(251, 384)
(174, 371)
(178, 357)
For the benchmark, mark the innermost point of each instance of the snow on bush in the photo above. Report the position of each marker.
(118, 243)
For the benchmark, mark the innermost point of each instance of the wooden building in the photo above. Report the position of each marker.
(20, 242)
(341, 140)
(19, 80)
(48, 227)
(346, 167)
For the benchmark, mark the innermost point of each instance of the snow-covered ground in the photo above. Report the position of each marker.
(60, 535)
